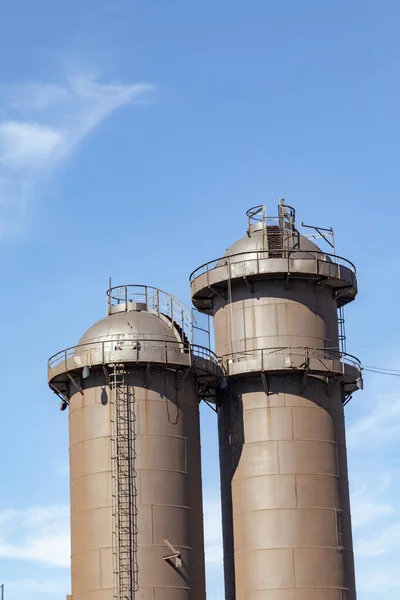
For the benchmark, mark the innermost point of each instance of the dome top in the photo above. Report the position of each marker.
(255, 242)
(270, 233)
(132, 324)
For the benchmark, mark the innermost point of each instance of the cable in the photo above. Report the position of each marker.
(381, 369)
(378, 371)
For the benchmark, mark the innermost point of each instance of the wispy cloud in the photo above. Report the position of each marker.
(39, 534)
(370, 504)
(380, 424)
(41, 124)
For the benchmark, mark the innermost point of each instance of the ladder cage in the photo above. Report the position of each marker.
(125, 531)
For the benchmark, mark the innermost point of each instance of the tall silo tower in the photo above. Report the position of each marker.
(277, 302)
(131, 385)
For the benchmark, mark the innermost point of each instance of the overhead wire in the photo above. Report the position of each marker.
(381, 371)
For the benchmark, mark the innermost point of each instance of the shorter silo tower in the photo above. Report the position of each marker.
(132, 388)
(277, 300)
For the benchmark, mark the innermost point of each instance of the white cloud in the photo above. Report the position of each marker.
(23, 145)
(385, 542)
(41, 124)
(38, 534)
(381, 424)
(367, 503)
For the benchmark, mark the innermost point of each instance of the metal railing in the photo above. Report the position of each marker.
(255, 256)
(304, 353)
(157, 301)
(285, 220)
(128, 349)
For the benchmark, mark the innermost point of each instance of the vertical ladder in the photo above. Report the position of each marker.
(342, 330)
(124, 488)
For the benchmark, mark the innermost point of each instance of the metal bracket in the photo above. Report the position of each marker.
(247, 282)
(332, 385)
(217, 293)
(347, 399)
(321, 282)
(342, 292)
(180, 380)
(174, 557)
(210, 405)
(76, 386)
(265, 383)
(106, 375)
(147, 375)
(62, 396)
(304, 380)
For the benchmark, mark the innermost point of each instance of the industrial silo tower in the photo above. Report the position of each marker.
(132, 388)
(277, 300)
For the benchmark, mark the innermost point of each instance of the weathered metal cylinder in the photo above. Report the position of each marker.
(274, 297)
(135, 466)
(284, 480)
(167, 481)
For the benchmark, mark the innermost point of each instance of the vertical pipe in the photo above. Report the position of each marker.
(2, 592)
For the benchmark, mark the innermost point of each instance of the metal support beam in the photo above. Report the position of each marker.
(218, 293)
(304, 381)
(248, 283)
(174, 557)
(209, 405)
(265, 383)
(62, 396)
(347, 399)
(106, 374)
(182, 378)
(332, 385)
(338, 294)
(76, 386)
(147, 375)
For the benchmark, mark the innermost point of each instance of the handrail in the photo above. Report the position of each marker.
(157, 301)
(305, 351)
(271, 254)
(137, 345)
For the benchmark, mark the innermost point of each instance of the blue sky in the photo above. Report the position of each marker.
(133, 137)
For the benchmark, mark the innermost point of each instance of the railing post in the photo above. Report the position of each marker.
(172, 313)
(126, 298)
